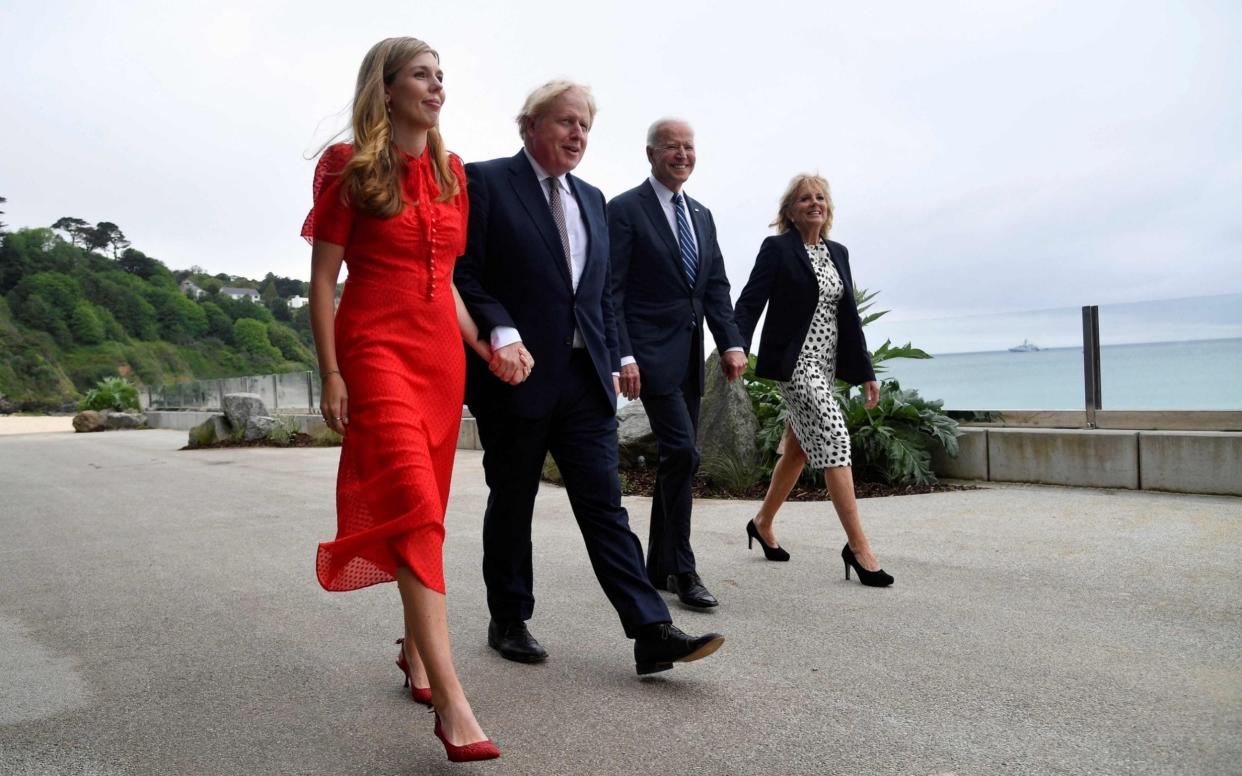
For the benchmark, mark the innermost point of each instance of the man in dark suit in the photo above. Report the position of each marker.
(667, 277)
(535, 278)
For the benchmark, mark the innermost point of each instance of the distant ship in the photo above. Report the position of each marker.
(1026, 347)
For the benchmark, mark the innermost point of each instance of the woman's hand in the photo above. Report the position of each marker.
(334, 402)
(871, 393)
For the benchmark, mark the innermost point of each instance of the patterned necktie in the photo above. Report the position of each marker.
(558, 217)
(689, 259)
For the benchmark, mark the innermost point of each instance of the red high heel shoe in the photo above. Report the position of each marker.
(479, 750)
(420, 694)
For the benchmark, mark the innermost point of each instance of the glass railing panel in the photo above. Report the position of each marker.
(1172, 354)
(1011, 361)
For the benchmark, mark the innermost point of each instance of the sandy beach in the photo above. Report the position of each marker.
(35, 424)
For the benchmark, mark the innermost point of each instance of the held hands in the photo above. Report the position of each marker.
(871, 392)
(334, 402)
(629, 384)
(513, 363)
(733, 364)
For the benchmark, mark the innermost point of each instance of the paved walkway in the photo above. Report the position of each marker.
(159, 615)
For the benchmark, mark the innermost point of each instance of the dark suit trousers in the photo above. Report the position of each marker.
(581, 434)
(674, 418)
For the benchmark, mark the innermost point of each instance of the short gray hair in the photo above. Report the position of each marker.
(658, 125)
(539, 100)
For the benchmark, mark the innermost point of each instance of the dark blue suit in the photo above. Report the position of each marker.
(514, 273)
(660, 322)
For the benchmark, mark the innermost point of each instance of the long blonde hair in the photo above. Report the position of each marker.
(373, 174)
(784, 222)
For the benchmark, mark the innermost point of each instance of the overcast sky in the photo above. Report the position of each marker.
(984, 156)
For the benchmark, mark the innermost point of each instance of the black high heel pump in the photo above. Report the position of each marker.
(868, 578)
(769, 552)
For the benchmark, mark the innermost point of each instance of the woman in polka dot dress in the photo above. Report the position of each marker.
(812, 336)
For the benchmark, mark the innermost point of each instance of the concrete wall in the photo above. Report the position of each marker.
(1177, 461)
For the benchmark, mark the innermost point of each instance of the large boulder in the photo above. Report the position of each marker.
(87, 421)
(123, 420)
(728, 428)
(214, 429)
(240, 407)
(635, 438)
(257, 427)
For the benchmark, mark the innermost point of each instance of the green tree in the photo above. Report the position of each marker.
(219, 324)
(30, 251)
(180, 319)
(250, 336)
(135, 262)
(85, 325)
(287, 342)
(78, 230)
(2, 224)
(122, 294)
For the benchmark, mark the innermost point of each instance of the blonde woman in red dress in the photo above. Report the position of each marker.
(392, 206)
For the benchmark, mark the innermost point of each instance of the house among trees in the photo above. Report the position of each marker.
(191, 289)
(241, 293)
(295, 302)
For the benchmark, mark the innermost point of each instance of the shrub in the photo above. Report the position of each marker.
(85, 325)
(890, 443)
(283, 431)
(111, 393)
(250, 336)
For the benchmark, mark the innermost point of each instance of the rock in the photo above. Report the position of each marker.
(727, 429)
(634, 435)
(257, 427)
(7, 407)
(87, 421)
(240, 407)
(214, 429)
(551, 472)
(117, 421)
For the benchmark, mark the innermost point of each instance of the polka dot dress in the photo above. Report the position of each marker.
(814, 413)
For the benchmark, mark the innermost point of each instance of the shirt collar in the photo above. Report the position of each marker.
(663, 193)
(541, 174)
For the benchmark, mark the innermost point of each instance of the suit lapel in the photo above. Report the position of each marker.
(655, 213)
(529, 193)
(800, 254)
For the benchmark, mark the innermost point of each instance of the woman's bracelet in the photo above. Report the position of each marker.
(329, 372)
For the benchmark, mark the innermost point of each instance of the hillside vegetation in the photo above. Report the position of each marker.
(71, 315)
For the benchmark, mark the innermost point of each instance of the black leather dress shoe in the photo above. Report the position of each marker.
(514, 642)
(690, 591)
(659, 646)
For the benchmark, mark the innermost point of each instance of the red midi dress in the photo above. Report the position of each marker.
(400, 353)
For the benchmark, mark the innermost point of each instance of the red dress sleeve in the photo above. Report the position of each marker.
(330, 219)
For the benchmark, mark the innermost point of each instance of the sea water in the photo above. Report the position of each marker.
(1191, 375)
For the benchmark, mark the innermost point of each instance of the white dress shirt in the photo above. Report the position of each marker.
(575, 227)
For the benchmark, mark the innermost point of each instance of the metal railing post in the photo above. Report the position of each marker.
(220, 393)
(275, 393)
(310, 392)
(1091, 361)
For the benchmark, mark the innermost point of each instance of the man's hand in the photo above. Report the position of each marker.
(630, 383)
(733, 364)
(512, 363)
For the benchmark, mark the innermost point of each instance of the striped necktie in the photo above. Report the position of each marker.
(689, 259)
(558, 217)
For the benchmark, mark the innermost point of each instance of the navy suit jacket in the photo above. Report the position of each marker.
(784, 281)
(659, 315)
(514, 273)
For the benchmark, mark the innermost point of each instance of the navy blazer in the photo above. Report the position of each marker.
(514, 273)
(659, 315)
(784, 281)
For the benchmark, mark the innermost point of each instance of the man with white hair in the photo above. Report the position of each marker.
(668, 275)
(535, 277)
